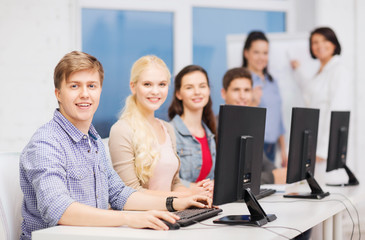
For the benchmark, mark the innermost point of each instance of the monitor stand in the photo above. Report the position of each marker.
(352, 179)
(316, 190)
(257, 215)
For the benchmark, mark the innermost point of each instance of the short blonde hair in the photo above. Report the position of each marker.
(144, 139)
(73, 62)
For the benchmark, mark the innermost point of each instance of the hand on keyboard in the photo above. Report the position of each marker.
(204, 187)
(171, 226)
(150, 219)
(198, 201)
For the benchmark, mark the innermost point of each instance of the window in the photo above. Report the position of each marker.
(181, 33)
(118, 38)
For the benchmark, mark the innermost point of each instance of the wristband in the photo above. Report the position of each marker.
(169, 205)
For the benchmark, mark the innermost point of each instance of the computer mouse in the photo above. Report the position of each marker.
(172, 226)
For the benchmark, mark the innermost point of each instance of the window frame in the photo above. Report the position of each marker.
(183, 13)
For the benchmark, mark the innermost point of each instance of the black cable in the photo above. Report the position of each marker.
(206, 224)
(267, 229)
(249, 225)
(281, 235)
(290, 228)
(353, 223)
(353, 206)
(299, 200)
(329, 200)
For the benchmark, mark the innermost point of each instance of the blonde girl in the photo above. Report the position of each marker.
(143, 147)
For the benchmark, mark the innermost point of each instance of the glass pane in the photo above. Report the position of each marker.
(118, 38)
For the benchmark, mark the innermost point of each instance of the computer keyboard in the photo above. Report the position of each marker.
(191, 216)
(264, 192)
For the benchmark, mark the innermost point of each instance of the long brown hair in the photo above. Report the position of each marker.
(176, 106)
(252, 37)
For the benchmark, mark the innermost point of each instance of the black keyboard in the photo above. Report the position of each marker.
(191, 216)
(264, 192)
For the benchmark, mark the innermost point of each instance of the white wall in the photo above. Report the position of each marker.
(342, 19)
(360, 83)
(347, 19)
(305, 15)
(35, 34)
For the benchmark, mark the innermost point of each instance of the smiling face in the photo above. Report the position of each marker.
(239, 92)
(257, 55)
(151, 88)
(194, 91)
(78, 98)
(322, 48)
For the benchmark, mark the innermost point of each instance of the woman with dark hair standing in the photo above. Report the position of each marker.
(266, 93)
(194, 123)
(330, 88)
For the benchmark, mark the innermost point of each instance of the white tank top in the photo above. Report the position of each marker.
(166, 166)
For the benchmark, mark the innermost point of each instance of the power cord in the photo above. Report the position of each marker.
(353, 206)
(267, 228)
(329, 200)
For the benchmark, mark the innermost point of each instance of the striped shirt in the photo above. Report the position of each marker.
(61, 165)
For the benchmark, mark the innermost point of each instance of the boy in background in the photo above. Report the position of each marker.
(237, 90)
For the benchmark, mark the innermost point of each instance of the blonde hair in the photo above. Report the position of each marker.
(143, 138)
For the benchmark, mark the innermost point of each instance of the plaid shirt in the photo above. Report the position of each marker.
(61, 165)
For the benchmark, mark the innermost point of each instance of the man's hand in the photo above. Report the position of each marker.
(150, 219)
(257, 93)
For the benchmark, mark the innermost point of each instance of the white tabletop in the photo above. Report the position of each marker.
(298, 214)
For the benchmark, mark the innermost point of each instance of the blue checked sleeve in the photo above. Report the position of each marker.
(43, 165)
(118, 191)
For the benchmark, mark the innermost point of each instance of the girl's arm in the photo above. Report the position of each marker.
(122, 153)
(284, 156)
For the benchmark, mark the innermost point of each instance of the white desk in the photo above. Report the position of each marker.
(291, 213)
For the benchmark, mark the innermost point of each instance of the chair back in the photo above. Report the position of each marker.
(11, 196)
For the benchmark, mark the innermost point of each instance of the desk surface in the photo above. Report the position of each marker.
(297, 214)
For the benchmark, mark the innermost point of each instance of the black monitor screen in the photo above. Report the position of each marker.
(302, 143)
(337, 147)
(302, 151)
(239, 160)
(240, 130)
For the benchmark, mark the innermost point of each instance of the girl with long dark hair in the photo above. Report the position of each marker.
(194, 122)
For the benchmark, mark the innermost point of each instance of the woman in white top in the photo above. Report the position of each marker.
(143, 147)
(331, 88)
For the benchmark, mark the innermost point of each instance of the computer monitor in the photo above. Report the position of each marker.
(337, 147)
(238, 162)
(302, 151)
